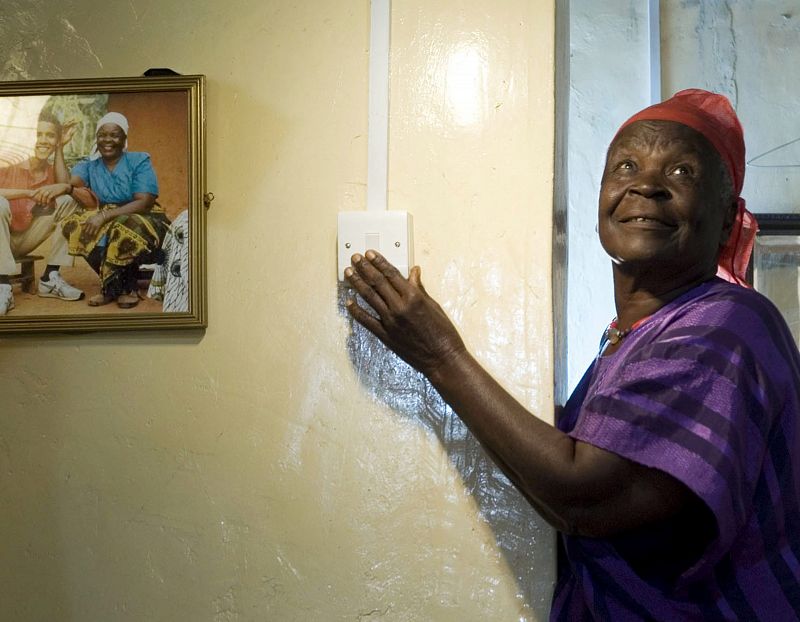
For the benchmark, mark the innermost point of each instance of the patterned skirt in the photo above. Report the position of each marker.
(121, 245)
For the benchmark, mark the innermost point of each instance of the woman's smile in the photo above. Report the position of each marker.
(647, 221)
(647, 225)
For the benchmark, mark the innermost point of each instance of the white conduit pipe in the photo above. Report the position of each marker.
(378, 116)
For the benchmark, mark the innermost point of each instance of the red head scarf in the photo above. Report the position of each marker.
(713, 116)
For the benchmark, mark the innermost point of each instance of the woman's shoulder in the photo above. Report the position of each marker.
(727, 302)
(136, 157)
(716, 301)
(724, 312)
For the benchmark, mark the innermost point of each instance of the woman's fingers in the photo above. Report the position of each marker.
(365, 319)
(366, 291)
(381, 284)
(390, 273)
(415, 278)
(376, 272)
(376, 281)
(91, 227)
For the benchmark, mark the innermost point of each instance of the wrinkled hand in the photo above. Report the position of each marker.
(408, 321)
(93, 224)
(45, 194)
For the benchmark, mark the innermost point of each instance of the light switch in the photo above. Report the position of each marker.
(390, 232)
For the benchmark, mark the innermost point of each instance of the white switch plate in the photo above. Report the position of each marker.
(390, 232)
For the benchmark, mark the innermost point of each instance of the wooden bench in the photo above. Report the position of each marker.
(27, 273)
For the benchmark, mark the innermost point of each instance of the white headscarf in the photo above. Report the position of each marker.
(117, 119)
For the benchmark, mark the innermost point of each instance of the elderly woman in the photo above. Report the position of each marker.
(674, 473)
(123, 226)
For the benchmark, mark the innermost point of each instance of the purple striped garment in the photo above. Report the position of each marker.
(707, 390)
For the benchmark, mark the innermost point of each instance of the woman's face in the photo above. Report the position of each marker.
(661, 201)
(110, 141)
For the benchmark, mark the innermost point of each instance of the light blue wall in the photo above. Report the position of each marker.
(609, 80)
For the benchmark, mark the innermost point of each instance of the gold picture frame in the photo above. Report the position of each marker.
(166, 117)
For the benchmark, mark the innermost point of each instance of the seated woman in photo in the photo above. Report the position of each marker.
(122, 226)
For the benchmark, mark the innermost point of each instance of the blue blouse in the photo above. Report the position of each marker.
(133, 173)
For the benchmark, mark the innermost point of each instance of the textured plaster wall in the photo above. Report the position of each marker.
(748, 50)
(278, 466)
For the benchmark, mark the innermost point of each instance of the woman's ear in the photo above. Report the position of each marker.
(729, 219)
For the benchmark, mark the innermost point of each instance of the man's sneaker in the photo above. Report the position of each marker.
(57, 287)
(6, 298)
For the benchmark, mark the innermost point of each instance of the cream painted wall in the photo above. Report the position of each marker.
(261, 470)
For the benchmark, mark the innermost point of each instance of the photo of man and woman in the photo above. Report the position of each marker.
(94, 204)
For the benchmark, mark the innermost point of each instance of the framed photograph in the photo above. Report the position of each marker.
(775, 265)
(103, 204)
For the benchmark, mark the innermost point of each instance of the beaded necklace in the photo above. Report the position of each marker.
(613, 335)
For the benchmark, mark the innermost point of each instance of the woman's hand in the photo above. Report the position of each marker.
(93, 224)
(45, 194)
(408, 321)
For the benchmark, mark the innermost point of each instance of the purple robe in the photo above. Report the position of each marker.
(707, 390)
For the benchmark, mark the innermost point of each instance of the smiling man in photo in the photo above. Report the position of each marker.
(32, 207)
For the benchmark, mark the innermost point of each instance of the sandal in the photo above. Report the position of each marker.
(127, 301)
(98, 300)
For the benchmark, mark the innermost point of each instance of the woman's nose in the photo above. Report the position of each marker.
(651, 185)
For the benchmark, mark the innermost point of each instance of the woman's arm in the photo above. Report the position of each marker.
(142, 202)
(577, 487)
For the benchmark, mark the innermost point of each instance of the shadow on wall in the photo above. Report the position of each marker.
(518, 529)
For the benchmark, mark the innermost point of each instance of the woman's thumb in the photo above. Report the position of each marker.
(415, 277)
